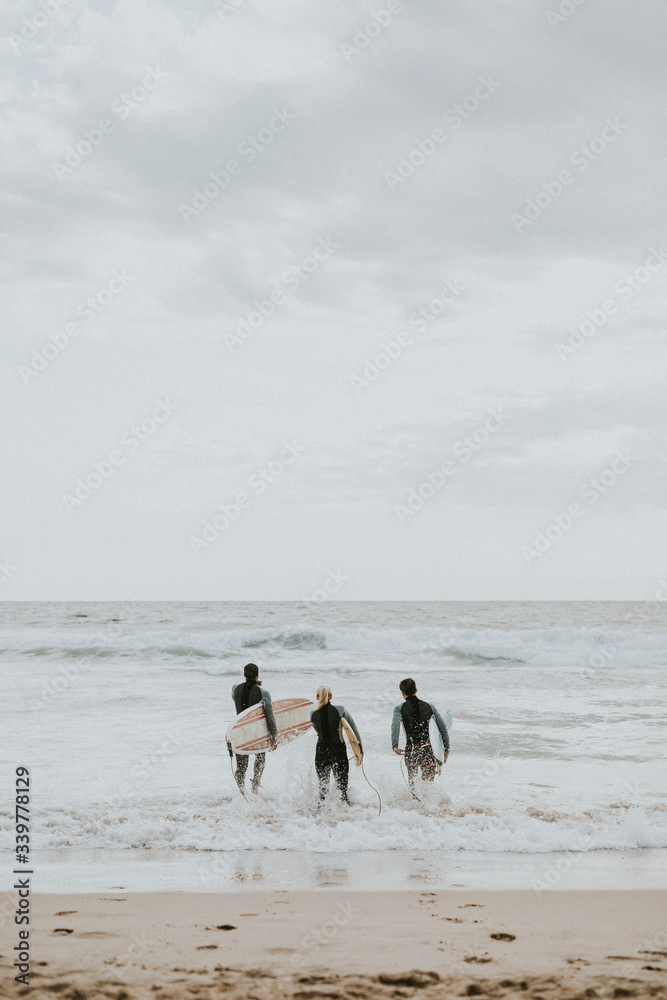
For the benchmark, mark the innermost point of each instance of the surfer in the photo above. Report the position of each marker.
(415, 715)
(331, 752)
(245, 695)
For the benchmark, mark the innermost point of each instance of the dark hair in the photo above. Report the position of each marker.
(251, 670)
(408, 687)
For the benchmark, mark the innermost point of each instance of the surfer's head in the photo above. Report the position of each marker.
(408, 687)
(323, 695)
(251, 671)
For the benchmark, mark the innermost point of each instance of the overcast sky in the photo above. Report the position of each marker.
(427, 201)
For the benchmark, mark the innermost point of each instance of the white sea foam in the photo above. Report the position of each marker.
(212, 824)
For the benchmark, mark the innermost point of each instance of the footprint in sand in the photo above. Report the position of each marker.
(478, 959)
(415, 978)
(503, 937)
(63, 930)
(64, 913)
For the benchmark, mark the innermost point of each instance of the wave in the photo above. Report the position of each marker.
(207, 823)
(593, 648)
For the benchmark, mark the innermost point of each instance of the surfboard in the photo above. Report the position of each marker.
(346, 731)
(437, 744)
(249, 733)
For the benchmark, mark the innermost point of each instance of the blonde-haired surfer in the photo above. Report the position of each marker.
(331, 751)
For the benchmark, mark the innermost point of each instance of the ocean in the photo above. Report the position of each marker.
(120, 710)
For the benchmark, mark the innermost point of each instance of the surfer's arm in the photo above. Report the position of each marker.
(440, 723)
(396, 727)
(268, 713)
(344, 714)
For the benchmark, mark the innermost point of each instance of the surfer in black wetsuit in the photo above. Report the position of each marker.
(415, 716)
(245, 695)
(331, 751)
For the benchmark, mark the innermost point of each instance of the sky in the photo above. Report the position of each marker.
(342, 301)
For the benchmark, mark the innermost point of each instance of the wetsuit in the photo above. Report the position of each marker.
(245, 696)
(331, 751)
(415, 716)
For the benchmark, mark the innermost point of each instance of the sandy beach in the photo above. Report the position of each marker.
(346, 944)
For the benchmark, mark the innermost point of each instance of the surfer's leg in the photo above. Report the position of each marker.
(429, 765)
(341, 770)
(411, 765)
(260, 761)
(242, 761)
(323, 770)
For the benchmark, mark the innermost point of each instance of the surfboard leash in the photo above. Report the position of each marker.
(407, 783)
(363, 771)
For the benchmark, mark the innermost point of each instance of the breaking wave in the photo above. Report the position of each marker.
(593, 647)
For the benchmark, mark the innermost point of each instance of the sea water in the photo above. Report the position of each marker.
(120, 710)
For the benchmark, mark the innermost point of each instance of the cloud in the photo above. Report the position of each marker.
(411, 154)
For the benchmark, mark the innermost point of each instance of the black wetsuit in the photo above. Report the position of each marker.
(331, 751)
(245, 695)
(415, 716)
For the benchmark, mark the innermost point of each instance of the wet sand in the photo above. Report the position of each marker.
(338, 945)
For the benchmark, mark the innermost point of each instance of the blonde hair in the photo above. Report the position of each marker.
(323, 695)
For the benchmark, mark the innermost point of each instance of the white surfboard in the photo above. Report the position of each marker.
(249, 733)
(435, 737)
